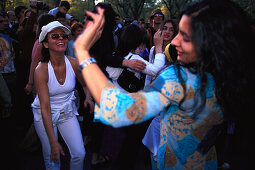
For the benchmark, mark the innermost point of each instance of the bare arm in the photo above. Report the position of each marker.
(41, 79)
(88, 101)
(34, 63)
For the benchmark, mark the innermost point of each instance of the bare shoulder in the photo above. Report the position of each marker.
(74, 62)
(41, 71)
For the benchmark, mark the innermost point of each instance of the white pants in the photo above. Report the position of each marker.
(70, 131)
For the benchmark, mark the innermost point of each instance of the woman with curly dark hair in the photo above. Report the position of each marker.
(211, 81)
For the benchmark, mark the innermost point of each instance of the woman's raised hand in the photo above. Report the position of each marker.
(158, 41)
(90, 35)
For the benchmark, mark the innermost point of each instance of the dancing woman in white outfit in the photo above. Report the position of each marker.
(54, 106)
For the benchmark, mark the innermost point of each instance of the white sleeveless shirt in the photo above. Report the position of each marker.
(62, 98)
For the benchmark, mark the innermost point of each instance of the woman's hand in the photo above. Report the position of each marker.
(89, 103)
(158, 41)
(134, 64)
(28, 89)
(90, 35)
(56, 149)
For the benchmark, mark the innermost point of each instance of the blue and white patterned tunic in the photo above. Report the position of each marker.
(180, 134)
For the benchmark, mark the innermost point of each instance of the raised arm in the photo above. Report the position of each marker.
(159, 59)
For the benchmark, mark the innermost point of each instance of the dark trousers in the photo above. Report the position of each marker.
(128, 155)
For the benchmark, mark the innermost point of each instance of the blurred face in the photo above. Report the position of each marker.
(4, 23)
(11, 15)
(74, 22)
(57, 41)
(28, 14)
(183, 42)
(63, 9)
(168, 31)
(158, 18)
(21, 14)
(77, 32)
(61, 20)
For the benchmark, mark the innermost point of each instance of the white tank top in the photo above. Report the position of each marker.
(61, 96)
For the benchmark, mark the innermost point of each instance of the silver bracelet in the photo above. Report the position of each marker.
(86, 63)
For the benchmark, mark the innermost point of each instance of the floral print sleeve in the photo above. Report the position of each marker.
(180, 131)
(121, 109)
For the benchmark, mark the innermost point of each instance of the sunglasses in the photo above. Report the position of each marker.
(57, 36)
(158, 15)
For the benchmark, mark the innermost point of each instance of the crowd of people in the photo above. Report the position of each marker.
(195, 83)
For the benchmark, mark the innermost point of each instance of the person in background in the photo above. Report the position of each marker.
(54, 107)
(73, 21)
(7, 56)
(213, 74)
(19, 13)
(152, 137)
(143, 51)
(12, 18)
(76, 30)
(7, 99)
(63, 7)
(169, 31)
(130, 39)
(142, 23)
(26, 36)
(157, 17)
(60, 17)
(127, 20)
(4, 22)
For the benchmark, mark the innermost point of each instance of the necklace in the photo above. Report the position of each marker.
(61, 80)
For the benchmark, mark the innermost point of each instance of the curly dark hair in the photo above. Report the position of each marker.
(223, 41)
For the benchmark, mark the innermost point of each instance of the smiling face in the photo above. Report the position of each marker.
(55, 43)
(168, 31)
(183, 42)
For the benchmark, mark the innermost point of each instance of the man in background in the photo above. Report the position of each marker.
(157, 17)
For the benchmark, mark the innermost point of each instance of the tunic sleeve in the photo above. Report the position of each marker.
(120, 109)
